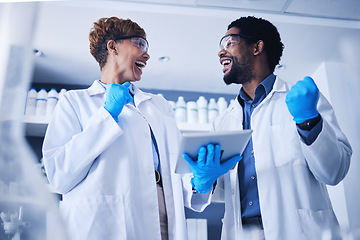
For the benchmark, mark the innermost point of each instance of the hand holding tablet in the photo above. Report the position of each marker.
(232, 143)
(207, 167)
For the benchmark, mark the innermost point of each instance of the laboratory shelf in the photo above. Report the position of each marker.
(194, 127)
(35, 126)
(18, 200)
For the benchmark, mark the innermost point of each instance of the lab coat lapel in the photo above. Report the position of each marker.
(157, 121)
(236, 196)
(142, 102)
(139, 96)
(279, 86)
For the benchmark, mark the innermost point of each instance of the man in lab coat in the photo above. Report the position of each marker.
(278, 190)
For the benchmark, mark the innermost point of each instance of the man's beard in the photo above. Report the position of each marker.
(240, 73)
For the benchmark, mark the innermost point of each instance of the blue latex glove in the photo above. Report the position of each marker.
(117, 95)
(302, 100)
(207, 168)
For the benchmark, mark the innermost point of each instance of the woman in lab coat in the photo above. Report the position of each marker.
(104, 143)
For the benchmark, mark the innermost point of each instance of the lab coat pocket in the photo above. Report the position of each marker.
(316, 224)
(105, 217)
(286, 145)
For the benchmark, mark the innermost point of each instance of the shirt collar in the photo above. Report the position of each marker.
(264, 87)
(268, 83)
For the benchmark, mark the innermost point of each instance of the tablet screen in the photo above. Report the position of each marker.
(231, 143)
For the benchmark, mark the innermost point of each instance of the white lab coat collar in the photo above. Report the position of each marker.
(279, 86)
(96, 88)
(139, 96)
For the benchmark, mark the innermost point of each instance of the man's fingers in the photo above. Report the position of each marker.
(188, 159)
(210, 154)
(231, 162)
(201, 156)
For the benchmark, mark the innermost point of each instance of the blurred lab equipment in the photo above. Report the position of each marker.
(27, 208)
(13, 223)
(31, 102)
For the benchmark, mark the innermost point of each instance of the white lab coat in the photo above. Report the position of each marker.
(291, 176)
(105, 169)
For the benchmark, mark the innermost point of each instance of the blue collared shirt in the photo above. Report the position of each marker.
(249, 199)
(250, 206)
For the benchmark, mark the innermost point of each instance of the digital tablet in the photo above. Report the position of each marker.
(231, 143)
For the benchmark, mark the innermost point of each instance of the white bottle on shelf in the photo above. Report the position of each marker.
(173, 104)
(222, 104)
(192, 112)
(202, 110)
(213, 110)
(180, 110)
(61, 93)
(41, 102)
(30, 105)
(52, 100)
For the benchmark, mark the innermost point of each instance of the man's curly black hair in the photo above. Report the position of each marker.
(261, 29)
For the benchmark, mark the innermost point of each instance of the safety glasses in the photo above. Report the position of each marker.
(230, 40)
(137, 41)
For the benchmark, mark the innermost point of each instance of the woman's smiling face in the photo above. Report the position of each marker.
(129, 61)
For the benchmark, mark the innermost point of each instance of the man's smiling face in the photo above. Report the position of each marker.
(236, 58)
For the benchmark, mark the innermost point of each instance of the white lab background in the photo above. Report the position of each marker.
(321, 39)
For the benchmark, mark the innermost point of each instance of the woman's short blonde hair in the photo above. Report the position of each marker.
(111, 28)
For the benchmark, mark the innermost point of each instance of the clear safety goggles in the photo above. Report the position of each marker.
(230, 40)
(137, 41)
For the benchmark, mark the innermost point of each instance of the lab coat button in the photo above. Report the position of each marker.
(253, 177)
(253, 105)
(250, 203)
(232, 191)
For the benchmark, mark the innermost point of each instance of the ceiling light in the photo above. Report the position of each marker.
(164, 59)
(281, 67)
(37, 52)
